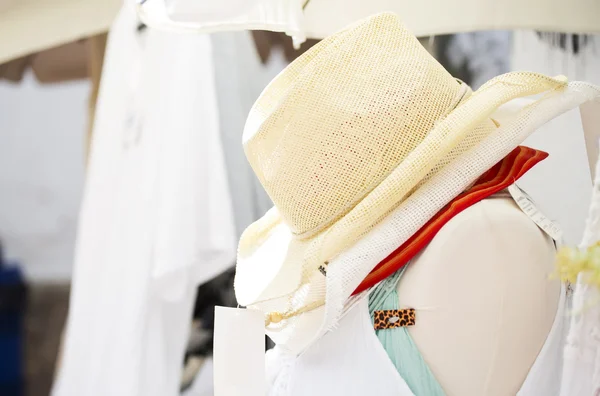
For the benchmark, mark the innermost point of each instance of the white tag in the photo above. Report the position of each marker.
(239, 352)
(528, 207)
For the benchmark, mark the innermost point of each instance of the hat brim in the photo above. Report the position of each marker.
(260, 270)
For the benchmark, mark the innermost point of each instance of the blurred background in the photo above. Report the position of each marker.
(48, 94)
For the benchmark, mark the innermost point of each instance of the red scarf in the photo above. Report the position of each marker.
(499, 177)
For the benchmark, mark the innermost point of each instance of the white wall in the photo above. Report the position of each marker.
(42, 138)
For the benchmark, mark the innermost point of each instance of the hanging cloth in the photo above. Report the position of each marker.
(156, 215)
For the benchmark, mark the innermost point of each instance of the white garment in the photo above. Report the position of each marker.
(351, 361)
(156, 218)
(581, 372)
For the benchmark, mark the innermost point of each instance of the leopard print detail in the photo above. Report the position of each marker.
(393, 318)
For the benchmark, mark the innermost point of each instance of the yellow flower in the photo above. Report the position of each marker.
(570, 262)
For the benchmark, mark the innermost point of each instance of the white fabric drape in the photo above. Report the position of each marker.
(156, 218)
(581, 371)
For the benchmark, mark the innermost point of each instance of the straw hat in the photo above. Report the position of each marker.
(358, 143)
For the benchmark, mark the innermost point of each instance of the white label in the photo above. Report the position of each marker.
(239, 352)
(528, 207)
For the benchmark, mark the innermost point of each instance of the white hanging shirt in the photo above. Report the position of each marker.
(156, 216)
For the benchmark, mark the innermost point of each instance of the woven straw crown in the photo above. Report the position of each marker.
(319, 145)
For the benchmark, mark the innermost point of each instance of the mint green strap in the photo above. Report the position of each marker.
(399, 345)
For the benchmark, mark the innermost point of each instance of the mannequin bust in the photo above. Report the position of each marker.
(484, 302)
(435, 17)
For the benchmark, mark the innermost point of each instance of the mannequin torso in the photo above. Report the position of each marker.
(484, 302)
